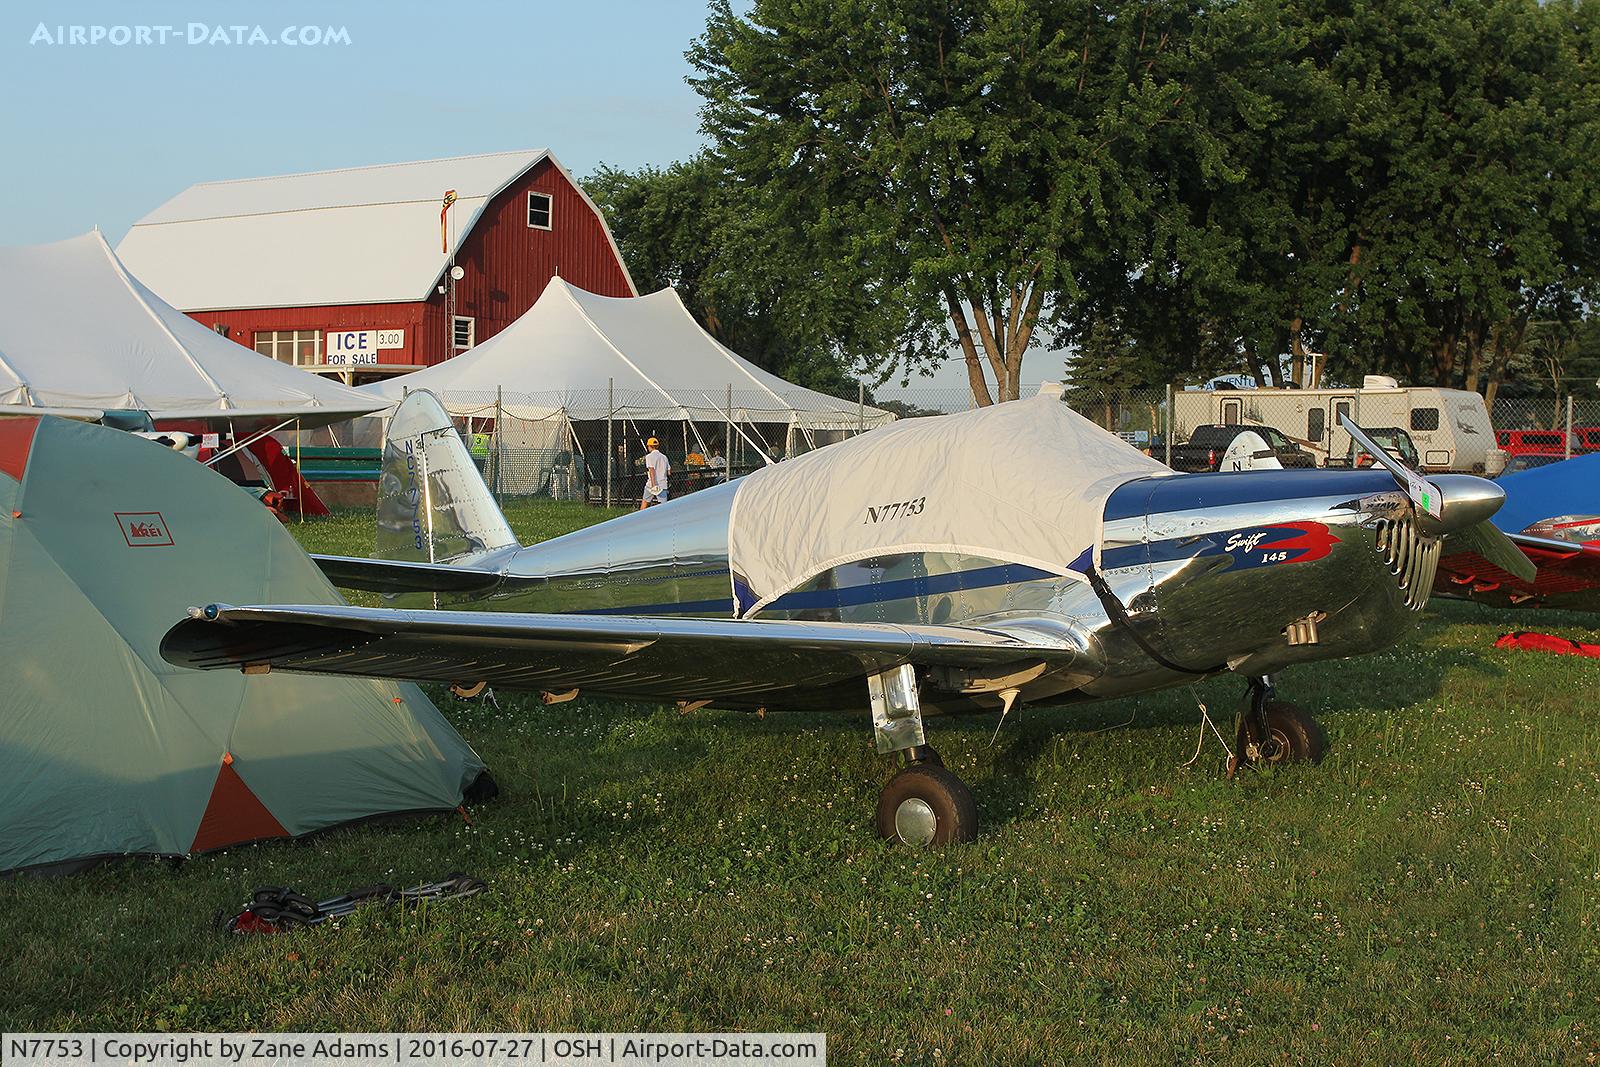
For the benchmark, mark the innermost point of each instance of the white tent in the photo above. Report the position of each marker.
(574, 351)
(79, 335)
(635, 362)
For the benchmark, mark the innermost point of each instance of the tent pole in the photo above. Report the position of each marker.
(499, 444)
(727, 437)
(611, 411)
(299, 473)
(861, 407)
(734, 426)
(577, 450)
(248, 441)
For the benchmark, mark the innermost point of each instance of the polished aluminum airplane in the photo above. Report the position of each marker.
(1008, 557)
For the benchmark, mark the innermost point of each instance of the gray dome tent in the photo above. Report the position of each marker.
(105, 748)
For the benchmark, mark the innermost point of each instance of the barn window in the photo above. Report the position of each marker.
(463, 331)
(1424, 418)
(301, 348)
(539, 211)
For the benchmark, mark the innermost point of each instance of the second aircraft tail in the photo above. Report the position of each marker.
(433, 505)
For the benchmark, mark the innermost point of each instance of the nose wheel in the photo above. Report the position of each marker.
(926, 804)
(1273, 731)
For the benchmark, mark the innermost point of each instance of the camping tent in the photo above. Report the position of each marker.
(79, 334)
(105, 748)
(636, 365)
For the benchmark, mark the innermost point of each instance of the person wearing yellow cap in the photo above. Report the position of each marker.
(656, 470)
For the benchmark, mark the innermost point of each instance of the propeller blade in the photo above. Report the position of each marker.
(1481, 538)
(1423, 493)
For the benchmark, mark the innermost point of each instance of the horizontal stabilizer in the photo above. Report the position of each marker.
(398, 576)
(621, 655)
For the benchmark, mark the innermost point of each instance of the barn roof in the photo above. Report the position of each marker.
(361, 235)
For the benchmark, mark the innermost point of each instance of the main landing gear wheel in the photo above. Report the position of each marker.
(1292, 736)
(927, 805)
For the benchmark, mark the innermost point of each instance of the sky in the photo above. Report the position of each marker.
(98, 134)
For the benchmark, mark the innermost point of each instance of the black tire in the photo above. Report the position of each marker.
(1296, 737)
(921, 792)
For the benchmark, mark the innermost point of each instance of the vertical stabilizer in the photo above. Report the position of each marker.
(433, 505)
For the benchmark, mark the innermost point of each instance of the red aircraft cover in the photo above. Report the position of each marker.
(1534, 642)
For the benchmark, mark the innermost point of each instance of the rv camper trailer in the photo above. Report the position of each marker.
(1450, 426)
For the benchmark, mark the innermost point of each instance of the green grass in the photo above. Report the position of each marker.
(1429, 893)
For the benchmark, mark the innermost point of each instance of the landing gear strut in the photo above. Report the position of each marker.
(1273, 731)
(925, 804)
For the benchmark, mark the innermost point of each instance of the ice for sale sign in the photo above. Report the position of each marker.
(352, 348)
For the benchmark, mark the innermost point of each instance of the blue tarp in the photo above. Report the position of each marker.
(1570, 487)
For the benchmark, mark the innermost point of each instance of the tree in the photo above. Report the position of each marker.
(1401, 186)
(1288, 189)
(968, 162)
(1105, 367)
(1484, 214)
(693, 227)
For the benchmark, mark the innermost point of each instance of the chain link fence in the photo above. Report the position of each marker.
(1545, 413)
(590, 444)
(1449, 430)
(567, 448)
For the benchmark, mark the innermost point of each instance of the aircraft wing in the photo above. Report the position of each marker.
(1567, 575)
(748, 662)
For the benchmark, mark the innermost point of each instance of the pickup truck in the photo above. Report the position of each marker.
(1207, 445)
(1393, 440)
(1536, 442)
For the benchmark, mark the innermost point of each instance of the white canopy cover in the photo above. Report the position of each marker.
(560, 357)
(1025, 482)
(79, 334)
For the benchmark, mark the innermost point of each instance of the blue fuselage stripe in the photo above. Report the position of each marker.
(1186, 492)
(851, 596)
(906, 588)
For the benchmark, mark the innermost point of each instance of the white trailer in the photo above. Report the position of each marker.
(1450, 427)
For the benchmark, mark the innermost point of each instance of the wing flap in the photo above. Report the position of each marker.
(622, 655)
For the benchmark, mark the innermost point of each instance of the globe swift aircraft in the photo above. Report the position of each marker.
(1013, 556)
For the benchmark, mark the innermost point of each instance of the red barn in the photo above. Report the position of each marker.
(350, 271)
